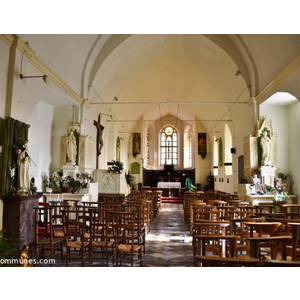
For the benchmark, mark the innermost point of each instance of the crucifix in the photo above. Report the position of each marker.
(99, 144)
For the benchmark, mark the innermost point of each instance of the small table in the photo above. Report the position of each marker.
(241, 221)
(291, 214)
(262, 226)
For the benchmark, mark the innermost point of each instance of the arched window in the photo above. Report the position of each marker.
(216, 156)
(227, 150)
(168, 146)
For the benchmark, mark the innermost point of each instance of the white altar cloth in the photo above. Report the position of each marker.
(169, 185)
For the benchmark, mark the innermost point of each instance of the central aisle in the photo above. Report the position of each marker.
(169, 243)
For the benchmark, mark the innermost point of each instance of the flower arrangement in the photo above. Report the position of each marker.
(23, 192)
(12, 172)
(58, 182)
(20, 148)
(283, 197)
(269, 188)
(280, 187)
(283, 176)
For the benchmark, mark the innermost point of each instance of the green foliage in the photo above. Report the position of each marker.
(116, 167)
(192, 188)
(9, 251)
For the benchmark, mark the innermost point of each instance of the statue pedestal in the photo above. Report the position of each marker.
(19, 219)
(111, 183)
(70, 170)
(267, 175)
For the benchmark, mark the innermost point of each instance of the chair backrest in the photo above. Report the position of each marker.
(43, 227)
(74, 230)
(99, 224)
(123, 224)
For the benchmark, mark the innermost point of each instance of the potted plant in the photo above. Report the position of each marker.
(280, 198)
(130, 179)
(115, 167)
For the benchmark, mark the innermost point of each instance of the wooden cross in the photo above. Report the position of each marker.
(99, 144)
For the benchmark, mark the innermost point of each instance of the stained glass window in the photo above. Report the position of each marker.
(169, 146)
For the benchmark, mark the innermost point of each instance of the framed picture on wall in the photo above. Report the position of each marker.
(136, 144)
(202, 144)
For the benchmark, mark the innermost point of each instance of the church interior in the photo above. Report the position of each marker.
(203, 127)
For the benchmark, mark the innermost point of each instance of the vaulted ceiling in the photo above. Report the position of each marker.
(155, 75)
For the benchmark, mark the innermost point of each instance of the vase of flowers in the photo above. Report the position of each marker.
(280, 198)
(270, 190)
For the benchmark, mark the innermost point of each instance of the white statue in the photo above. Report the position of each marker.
(24, 161)
(265, 143)
(71, 148)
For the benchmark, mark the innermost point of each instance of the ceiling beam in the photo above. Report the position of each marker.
(279, 79)
(25, 49)
(168, 103)
(135, 121)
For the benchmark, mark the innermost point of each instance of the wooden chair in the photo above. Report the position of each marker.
(99, 237)
(75, 236)
(238, 227)
(140, 223)
(57, 219)
(44, 236)
(225, 246)
(146, 211)
(123, 225)
(208, 228)
(256, 244)
(216, 202)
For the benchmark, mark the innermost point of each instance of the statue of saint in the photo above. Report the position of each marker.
(71, 148)
(24, 259)
(265, 143)
(24, 161)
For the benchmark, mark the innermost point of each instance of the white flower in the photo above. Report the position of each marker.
(12, 172)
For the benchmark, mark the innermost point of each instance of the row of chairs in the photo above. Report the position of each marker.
(224, 231)
(92, 227)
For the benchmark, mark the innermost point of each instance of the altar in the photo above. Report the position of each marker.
(169, 185)
(89, 194)
(257, 199)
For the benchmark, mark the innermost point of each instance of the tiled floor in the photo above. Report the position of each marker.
(168, 243)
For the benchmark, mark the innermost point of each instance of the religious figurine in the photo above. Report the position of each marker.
(24, 259)
(24, 161)
(100, 144)
(71, 148)
(265, 142)
(136, 144)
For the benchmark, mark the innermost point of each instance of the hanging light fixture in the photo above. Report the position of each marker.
(45, 78)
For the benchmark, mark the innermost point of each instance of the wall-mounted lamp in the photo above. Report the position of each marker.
(45, 78)
(0, 148)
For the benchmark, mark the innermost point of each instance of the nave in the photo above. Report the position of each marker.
(168, 244)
